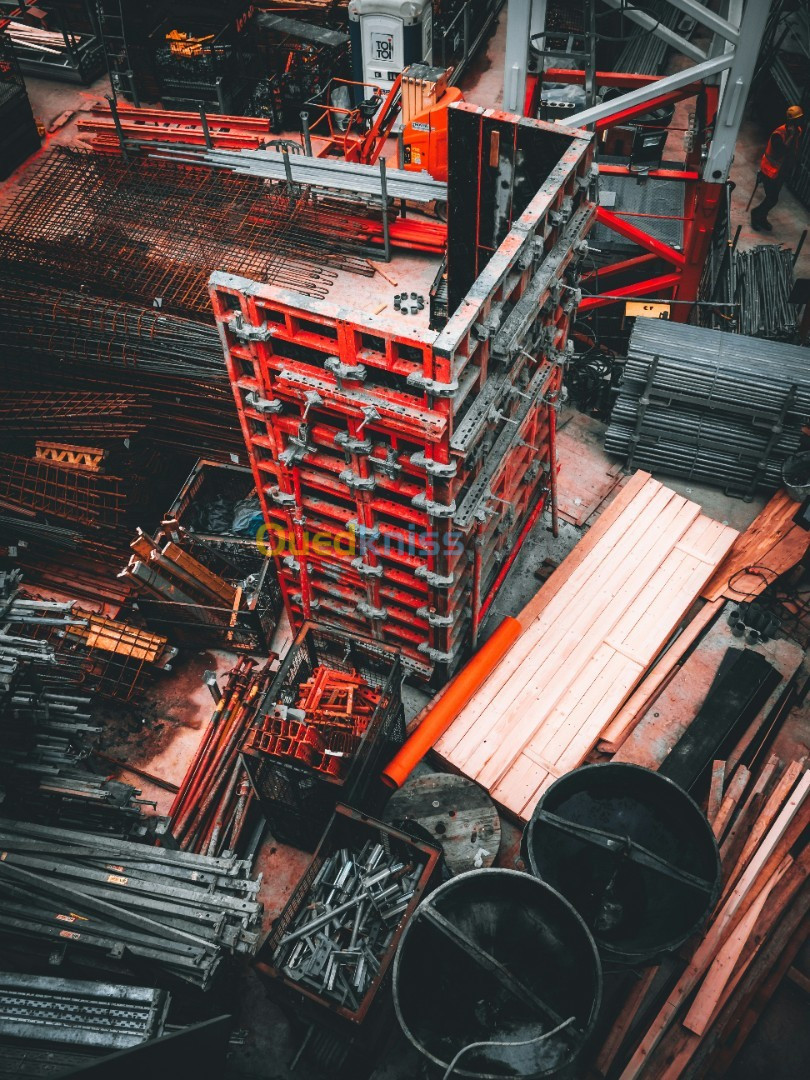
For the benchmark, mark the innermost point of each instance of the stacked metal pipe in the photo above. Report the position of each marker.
(101, 896)
(709, 406)
(764, 279)
(211, 809)
(751, 291)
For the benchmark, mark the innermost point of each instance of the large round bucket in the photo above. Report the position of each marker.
(796, 476)
(496, 975)
(632, 852)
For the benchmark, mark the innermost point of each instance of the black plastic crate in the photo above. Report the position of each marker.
(201, 518)
(351, 830)
(19, 137)
(297, 801)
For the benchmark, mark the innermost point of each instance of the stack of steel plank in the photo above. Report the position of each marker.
(182, 914)
(78, 1012)
(400, 467)
(720, 408)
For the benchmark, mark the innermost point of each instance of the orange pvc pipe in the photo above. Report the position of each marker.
(455, 696)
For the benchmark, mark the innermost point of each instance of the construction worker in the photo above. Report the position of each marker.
(777, 161)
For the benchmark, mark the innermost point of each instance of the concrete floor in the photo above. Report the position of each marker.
(267, 1044)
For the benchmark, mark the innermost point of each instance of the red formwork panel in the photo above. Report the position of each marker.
(399, 468)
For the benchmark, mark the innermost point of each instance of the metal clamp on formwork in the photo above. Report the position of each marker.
(523, 316)
(246, 332)
(434, 618)
(590, 176)
(368, 611)
(430, 386)
(437, 655)
(358, 483)
(561, 216)
(532, 253)
(291, 563)
(370, 414)
(254, 400)
(388, 466)
(351, 445)
(491, 323)
(279, 497)
(436, 581)
(434, 509)
(296, 452)
(298, 599)
(312, 399)
(341, 371)
(441, 469)
(366, 569)
(370, 533)
(572, 300)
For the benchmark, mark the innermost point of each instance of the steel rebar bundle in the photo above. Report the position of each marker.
(105, 415)
(710, 406)
(150, 233)
(179, 912)
(98, 330)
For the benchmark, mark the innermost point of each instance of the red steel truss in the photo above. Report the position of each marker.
(701, 203)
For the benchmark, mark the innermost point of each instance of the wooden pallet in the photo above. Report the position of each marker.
(589, 636)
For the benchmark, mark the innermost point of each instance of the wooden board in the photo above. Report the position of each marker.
(589, 636)
(669, 716)
(586, 478)
(771, 542)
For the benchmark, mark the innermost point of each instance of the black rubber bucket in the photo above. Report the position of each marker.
(632, 852)
(495, 956)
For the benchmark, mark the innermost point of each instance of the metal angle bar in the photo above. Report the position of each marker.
(741, 63)
(700, 13)
(646, 93)
(641, 18)
(269, 164)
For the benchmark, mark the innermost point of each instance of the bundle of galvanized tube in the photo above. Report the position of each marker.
(724, 409)
(101, 896)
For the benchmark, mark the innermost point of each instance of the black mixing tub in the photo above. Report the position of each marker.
(497, 976)
(632, 852)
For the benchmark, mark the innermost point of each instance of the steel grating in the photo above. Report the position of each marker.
(80, 1012)
(634, 200)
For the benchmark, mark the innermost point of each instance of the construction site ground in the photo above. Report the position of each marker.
(161, 734)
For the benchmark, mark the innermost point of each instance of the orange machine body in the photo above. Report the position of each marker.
(424, 137)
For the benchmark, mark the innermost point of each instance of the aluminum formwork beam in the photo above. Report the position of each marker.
(525, 19)
(651, 92)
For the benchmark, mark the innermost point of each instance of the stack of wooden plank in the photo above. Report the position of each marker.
(768, 548)
(698, 1019)
(589, 636)
(659, 713)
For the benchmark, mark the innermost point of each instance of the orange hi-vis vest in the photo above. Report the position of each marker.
(773, 159)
